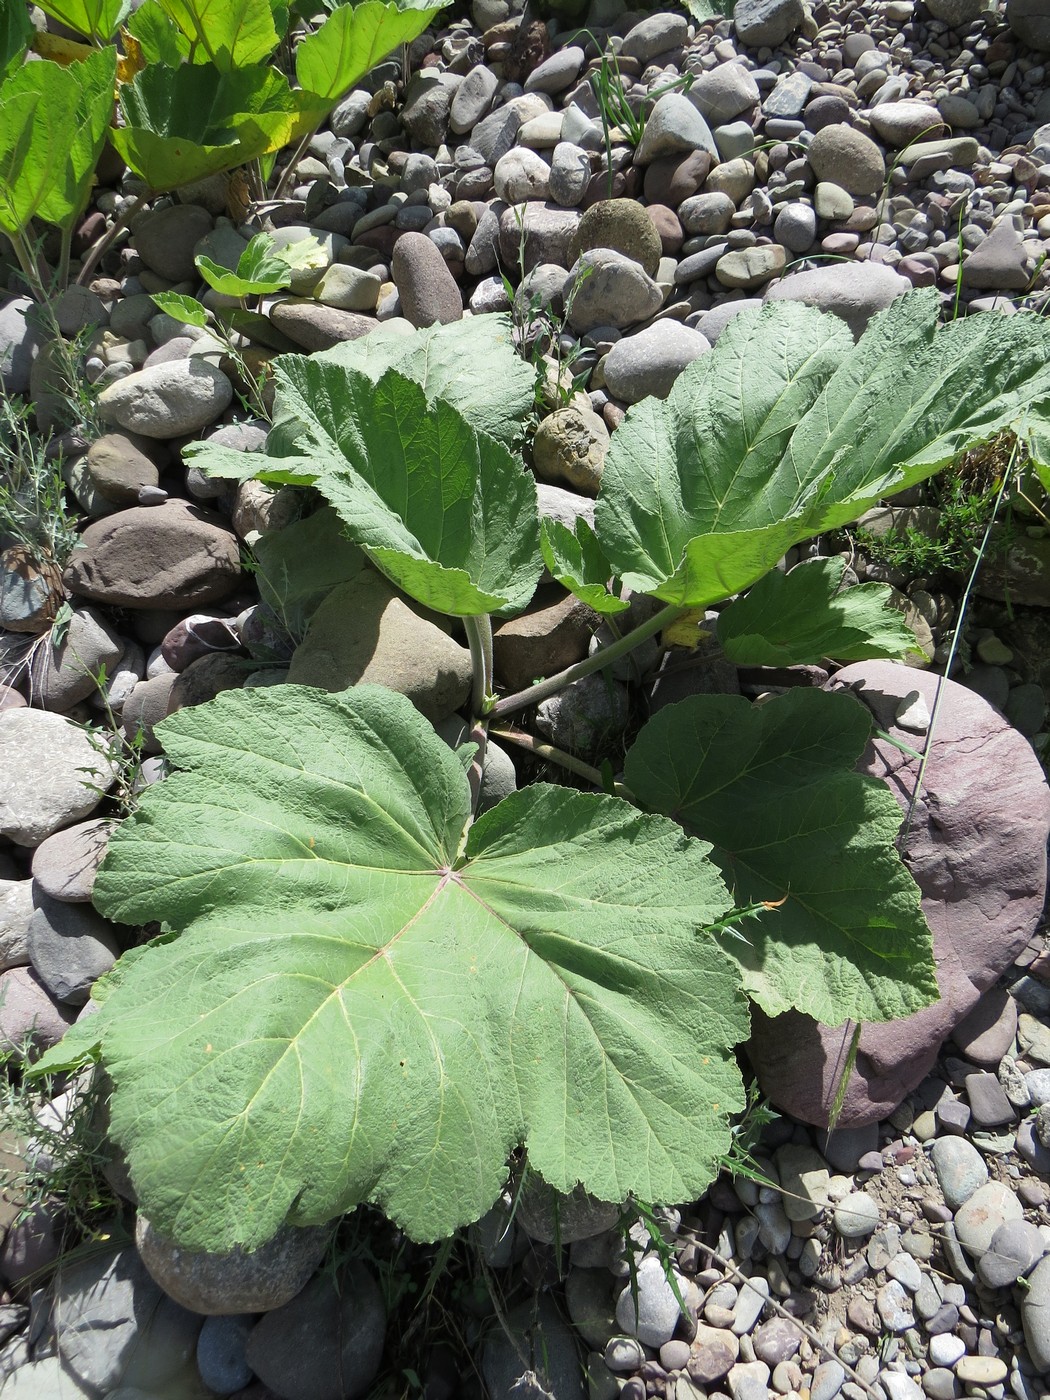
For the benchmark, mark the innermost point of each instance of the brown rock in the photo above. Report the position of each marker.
(364, 632)
(623, 225)
(146, 706)
(174, 555)
(119, 467)
(205, 678)
(712, 1355)
(428, 291)
(553, 634)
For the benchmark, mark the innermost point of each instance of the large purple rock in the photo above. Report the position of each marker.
(977, 850)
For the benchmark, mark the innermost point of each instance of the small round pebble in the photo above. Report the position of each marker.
(856, 1216)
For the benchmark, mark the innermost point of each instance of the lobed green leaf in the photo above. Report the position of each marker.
(785, 429)
(773, 788)
(96, 19)
(364, 1006)
(184, 123)
(353, 39)
(806, 616)
(576, 560)
(446, 512)
(230, 34)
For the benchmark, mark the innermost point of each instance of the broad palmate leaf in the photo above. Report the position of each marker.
(773, 788)
(447, 513)
(184, 123)
(802, 616)
(365, 1003)
(353, 39)
(231, 34)
(786, 429)
(97, 19)
(472, 364)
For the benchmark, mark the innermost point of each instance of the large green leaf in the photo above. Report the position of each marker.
(910, 398)
(353, 39)
(773, 788)
(806, 615)
(187, 122)
(691, 505)
(15, 34)
(299, 565)
(91, 97)
(364, 1005)
(471, 363)
(32, 149)
(575, 559)
(230, 34)
(444, 511)
(160, 40)
(786, 429)
(97, 19)
(53, 122)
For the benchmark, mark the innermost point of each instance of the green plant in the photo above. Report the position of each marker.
(63, 1149)
(963, 495)
(33, 509)
(195, 96)
(259, 270)
(363, 993)
(614, 106)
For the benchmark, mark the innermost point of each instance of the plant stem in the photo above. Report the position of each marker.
(102, 245)
(63, 262)
(284, 183)
(479, 638)
(521, 699)
(27, 262)
(559, 756)
(964, 603)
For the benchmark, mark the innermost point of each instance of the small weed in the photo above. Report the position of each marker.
(615, 108)
(57, 1131)
(33, 508)
(964, 495)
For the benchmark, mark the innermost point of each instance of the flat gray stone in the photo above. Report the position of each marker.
(115, 1326)
(16, 910)
(1035, 1315)
(766, 23)
(960, 1169)
(326, 1343)
(1014, 1250)
(169, 400)
(65, 864)
(70, 947)
(990, 1206)
(649, 362)
(42, 785)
